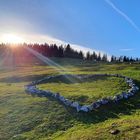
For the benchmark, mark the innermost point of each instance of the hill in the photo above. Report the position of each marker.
(26, 117)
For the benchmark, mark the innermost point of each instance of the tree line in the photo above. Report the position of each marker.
(124, 59)
(67, 51)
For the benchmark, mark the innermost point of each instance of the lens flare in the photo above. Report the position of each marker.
(48, 61)
(12, 38)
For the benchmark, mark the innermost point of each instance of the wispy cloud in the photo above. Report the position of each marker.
(125, 16)
(39, 38)
(126, 50)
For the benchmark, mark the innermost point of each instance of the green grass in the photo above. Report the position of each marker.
(89, 90)
(23, 116)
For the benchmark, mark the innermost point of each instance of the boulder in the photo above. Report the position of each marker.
(91, 107)
(104, 101)
(41, 94)
(67, 102)
(117, 98)
(48, 93)
(75, 104)
(137, 88)
(95, 105)
(134, 88)
(115, 132)
(57, 95)
(62, 99)
(125, 95)
(131, 90)
(84, 108)
(78, 108)
(131, 84)
(129, 81)
(131, 93)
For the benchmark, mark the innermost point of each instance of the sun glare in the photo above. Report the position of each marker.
(12, 38)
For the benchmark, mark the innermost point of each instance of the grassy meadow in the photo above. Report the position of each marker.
(87, 91)
(26, 117)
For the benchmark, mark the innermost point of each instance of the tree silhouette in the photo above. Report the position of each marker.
(54, 50)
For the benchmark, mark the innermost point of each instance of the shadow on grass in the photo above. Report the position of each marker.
(49, 116)
(103, 113)
(64, 79)
(61, 118)
(112, 110)
(28, 78)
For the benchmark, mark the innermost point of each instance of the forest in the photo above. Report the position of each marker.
(66, 51)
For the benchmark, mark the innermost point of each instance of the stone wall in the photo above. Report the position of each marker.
(32, 89)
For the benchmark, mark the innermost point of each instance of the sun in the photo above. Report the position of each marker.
(12, 38)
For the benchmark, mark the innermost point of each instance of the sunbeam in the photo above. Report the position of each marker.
(4, 57)
(46, 60)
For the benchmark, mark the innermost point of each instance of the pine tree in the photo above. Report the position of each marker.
(88, 56)
(99, 57)
(104, 58)
(94, 55)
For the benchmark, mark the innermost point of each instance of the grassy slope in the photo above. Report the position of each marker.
(25, 117)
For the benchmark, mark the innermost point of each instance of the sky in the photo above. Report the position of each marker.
(109, 26)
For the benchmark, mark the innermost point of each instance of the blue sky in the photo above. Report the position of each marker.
(110, 26)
